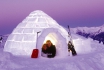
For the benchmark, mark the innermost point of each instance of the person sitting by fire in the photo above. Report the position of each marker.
(48, 49)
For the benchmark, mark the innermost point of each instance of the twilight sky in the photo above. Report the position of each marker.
(73, 12)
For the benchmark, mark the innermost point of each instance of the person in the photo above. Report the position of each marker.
(51, 49)
(48, 49)
(44, 50)
(71, 48)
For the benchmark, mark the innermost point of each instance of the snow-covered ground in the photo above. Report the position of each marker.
(90, 57)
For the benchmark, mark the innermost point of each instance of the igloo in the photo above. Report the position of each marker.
(24, 39)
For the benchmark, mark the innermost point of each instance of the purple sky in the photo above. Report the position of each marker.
(73, 12)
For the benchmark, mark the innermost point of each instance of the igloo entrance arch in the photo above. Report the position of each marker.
(56, 38)
(52, 37)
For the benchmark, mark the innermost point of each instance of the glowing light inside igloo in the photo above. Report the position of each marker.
(52, 38)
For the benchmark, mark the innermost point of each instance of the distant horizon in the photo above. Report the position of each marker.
(82, 26)
(63, 26)
(81, 13)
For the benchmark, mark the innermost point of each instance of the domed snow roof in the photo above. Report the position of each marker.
(38, 19)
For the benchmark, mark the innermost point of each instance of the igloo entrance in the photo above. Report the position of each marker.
(56, 38)
(52, 37)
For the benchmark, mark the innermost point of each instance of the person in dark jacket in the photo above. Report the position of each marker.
(71, 48)
(51, 49)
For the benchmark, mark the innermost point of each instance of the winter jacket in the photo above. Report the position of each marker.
(51, 51)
